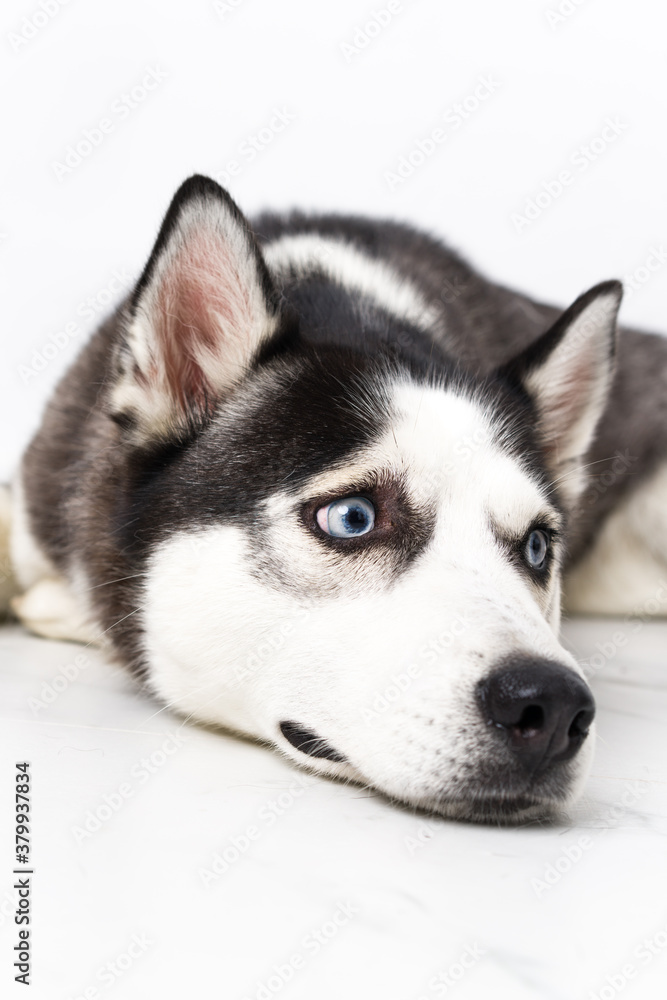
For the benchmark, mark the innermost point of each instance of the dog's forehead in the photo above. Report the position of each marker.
(461, 447)
(305, 427)
(444, 443)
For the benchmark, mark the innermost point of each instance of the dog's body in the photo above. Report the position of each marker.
(318, 485)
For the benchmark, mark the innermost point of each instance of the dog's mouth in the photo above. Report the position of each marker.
(508, 807)
(308, 742)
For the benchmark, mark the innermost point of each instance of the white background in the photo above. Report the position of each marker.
(419, 907)
(355, 115)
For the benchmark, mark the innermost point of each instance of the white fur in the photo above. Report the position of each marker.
(207, 257)
(50, 609)
(8, 582)
(30, 563)
(249, 631)
(228, 649)
(41, 598)
(625, 572)
(355, 270)
(571, 388)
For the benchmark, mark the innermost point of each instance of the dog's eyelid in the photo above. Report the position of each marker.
(548, 522)
(370, 486)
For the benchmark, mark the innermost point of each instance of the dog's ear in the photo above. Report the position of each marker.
(568, 373)
(201, 312)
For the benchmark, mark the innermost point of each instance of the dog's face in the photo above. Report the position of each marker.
(350, 556)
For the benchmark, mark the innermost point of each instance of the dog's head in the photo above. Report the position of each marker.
(348, 554)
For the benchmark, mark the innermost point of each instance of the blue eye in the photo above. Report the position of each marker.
(347, 518)
(537, 548)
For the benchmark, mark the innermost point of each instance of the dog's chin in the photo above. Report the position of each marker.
(497, 794)
(512, 800)
(501, 811)
(490, 807)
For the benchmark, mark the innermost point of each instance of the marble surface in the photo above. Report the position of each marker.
(171, 861)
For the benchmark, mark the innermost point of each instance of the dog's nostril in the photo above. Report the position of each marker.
(530, 721)
(581, 723)
(542, 710)
(309, 742)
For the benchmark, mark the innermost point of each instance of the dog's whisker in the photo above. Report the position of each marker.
(576, 472)
(119, 579)
(191, 691)
(99, 635)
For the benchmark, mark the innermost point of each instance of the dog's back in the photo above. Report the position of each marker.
(325, 265)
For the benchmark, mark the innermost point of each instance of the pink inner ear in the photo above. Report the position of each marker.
(566, 400)
(202, 319)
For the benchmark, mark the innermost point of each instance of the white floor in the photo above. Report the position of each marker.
(227, 874)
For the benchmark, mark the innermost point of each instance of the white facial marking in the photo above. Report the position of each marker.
(250, 629)
(356, 271)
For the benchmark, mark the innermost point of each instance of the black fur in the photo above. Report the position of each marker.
(90, 492)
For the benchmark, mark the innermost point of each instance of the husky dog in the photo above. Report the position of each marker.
(318, 482)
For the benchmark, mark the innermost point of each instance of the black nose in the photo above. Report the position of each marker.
(541, 708)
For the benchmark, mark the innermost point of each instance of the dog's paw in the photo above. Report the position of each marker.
(625, 571)
(8, 584)
(49, 609)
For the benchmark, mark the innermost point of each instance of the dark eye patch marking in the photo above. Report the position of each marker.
(514, 545)
(402, 528)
